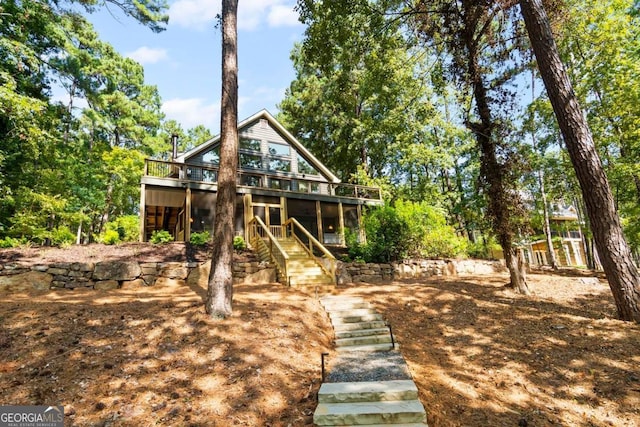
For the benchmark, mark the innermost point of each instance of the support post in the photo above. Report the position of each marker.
(143, 213)
(341, 224)
(319, 220)
(187, 215)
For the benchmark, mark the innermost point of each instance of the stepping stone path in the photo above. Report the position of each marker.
(368, 382)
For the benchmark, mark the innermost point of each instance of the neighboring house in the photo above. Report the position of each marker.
(277, 179)
(567, 238)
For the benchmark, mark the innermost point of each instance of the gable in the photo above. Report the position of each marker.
(264, 144)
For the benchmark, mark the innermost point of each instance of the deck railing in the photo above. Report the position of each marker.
(292, 228)
(208, 174)
(261, 238)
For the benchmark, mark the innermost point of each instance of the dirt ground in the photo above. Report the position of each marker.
(479, 354)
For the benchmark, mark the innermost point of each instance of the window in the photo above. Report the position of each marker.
(212, 156)
(249, 161)
(304, 167)
(276, 149)
(250, 144)
(282, 184)
(308, 187)
(250, 180)
(280, 165)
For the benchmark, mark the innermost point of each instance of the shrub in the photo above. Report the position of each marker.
(10, 242)
(200, 239)
(161, 236)
(403, 230)
(110, 237)
(62, 236)
(483, 248)
(127, 227)
(239, 244)
(386, 237)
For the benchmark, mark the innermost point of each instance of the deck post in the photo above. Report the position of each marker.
(341, 224)
(187, 215)
(143, 212)
(319, 220)
(248, 216)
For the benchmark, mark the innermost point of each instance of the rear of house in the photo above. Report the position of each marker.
(277, 179)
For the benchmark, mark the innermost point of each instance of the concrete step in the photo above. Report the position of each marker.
(366, 340)
(361, 333)
(358, 326)
(352, 312)
(338, 321)
(302, 270)
(309, 277)
(367, 391)
(368, 347)
(344, 306)
(367, 413)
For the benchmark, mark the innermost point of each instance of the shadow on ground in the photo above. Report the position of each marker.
(482, 355)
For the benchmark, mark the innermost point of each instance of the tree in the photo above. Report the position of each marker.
(483, 43)
(220, 287)
(54, 158)
(600, 46)
(614, 252)
(359, 96)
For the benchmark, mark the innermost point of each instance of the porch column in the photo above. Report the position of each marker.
(319, 220)
(187, 215)
(248, 215)
(283, 210)
(143, 213)
(341, 224)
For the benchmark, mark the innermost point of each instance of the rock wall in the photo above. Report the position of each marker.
(122, 274)
(131, 274)
(355, 272)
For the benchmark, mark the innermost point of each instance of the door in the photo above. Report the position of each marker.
(271, 215)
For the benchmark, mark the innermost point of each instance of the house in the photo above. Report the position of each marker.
(278, 182)
(568, 241)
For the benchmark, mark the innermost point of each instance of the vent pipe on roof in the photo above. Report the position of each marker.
(174, 145)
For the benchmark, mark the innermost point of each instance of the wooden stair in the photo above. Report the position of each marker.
(303, 269)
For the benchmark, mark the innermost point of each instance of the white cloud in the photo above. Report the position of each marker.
(283, 16)
(251, 13)
(147, 55)
(191, 112)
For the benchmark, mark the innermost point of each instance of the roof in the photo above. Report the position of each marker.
(264, 114)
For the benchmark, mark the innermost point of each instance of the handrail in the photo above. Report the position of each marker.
(313, 242)
(279, 256)
(259, 179)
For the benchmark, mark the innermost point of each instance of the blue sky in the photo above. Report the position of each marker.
(184, 61)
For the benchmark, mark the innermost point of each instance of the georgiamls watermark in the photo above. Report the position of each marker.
(31, 416)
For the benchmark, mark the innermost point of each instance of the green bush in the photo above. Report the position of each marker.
(110, 237)
(127, 227)
(10, 242)
(406, 229)
(483, 248)
(161, 236)
(386, 237)
(239, 244)
(429, 234)
(200, 239)
(62, 236)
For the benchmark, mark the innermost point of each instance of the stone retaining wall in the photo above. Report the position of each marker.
(121, 274)
(355, 272)
(131, 274)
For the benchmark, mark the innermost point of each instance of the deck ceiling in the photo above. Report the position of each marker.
(162, 197)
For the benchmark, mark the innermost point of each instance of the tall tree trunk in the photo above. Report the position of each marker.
(613, 249)
(220, 288)
(492, 171)
(547, 225)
